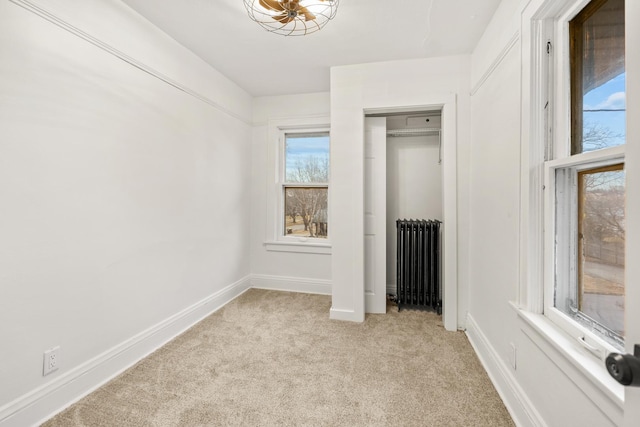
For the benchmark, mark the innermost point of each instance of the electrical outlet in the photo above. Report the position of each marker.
(51, 360)
(512, 355)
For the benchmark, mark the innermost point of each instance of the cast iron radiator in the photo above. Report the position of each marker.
(418, 265)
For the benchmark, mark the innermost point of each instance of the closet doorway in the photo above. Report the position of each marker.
(403, 180)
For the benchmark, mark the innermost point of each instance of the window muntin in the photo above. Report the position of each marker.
(305, 185)
(597, 76)
(587, 183)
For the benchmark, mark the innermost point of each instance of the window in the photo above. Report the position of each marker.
(305, 185)
(297, 185)
(585, 222)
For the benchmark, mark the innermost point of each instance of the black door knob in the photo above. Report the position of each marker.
(625, 368)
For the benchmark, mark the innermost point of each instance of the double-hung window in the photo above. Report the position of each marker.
(298, 185)
(585, 180)
(304, 185)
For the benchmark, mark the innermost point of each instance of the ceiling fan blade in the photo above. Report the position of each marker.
(283, 18)
(272, 5)
(308, 16)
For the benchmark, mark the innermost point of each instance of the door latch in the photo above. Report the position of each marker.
(625, 368)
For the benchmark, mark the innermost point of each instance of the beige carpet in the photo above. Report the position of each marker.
(275, 359)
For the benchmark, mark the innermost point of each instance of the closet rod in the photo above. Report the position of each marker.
(413, 132)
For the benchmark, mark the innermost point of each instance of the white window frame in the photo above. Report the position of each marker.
(565, 262)
(561, 158)
(276, 239)
(546, 115)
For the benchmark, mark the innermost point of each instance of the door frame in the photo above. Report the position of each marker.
(448, 106)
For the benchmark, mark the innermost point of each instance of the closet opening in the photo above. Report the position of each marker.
(403, 210)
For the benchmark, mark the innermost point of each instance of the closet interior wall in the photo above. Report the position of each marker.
(414, 177)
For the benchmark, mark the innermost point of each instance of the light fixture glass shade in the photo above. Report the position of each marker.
(292, 17)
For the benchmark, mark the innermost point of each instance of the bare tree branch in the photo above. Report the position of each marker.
(309, 202)
(595, 136)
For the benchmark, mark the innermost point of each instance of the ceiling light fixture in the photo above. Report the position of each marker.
(292, 17)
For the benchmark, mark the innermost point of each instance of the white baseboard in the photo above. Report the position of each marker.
(391, 288)
(44, 402)
(522, 411)
(291, 284)
(348, 315)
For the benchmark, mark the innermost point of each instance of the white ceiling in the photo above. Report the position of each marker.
(262, 63)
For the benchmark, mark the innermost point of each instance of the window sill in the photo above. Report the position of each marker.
(300, 246)
(583, 368)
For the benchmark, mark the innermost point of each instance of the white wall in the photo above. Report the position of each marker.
(374, 87)
(124, 199)
(495, 195)
(414, 178)
(295, 271)
(414, 188)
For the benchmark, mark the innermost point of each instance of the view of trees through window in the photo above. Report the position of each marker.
(601, 201)
(306, 185)
(598, 116)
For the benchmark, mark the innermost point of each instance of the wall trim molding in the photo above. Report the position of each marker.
(513, 41)
(44, 402)
(291, 284)
(293, 119)
(34, 8)
(517, 402)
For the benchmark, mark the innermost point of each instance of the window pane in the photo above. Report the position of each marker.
(305, 212)
(307, 157)
(601, 210)
(598, 76)
(590, 244)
